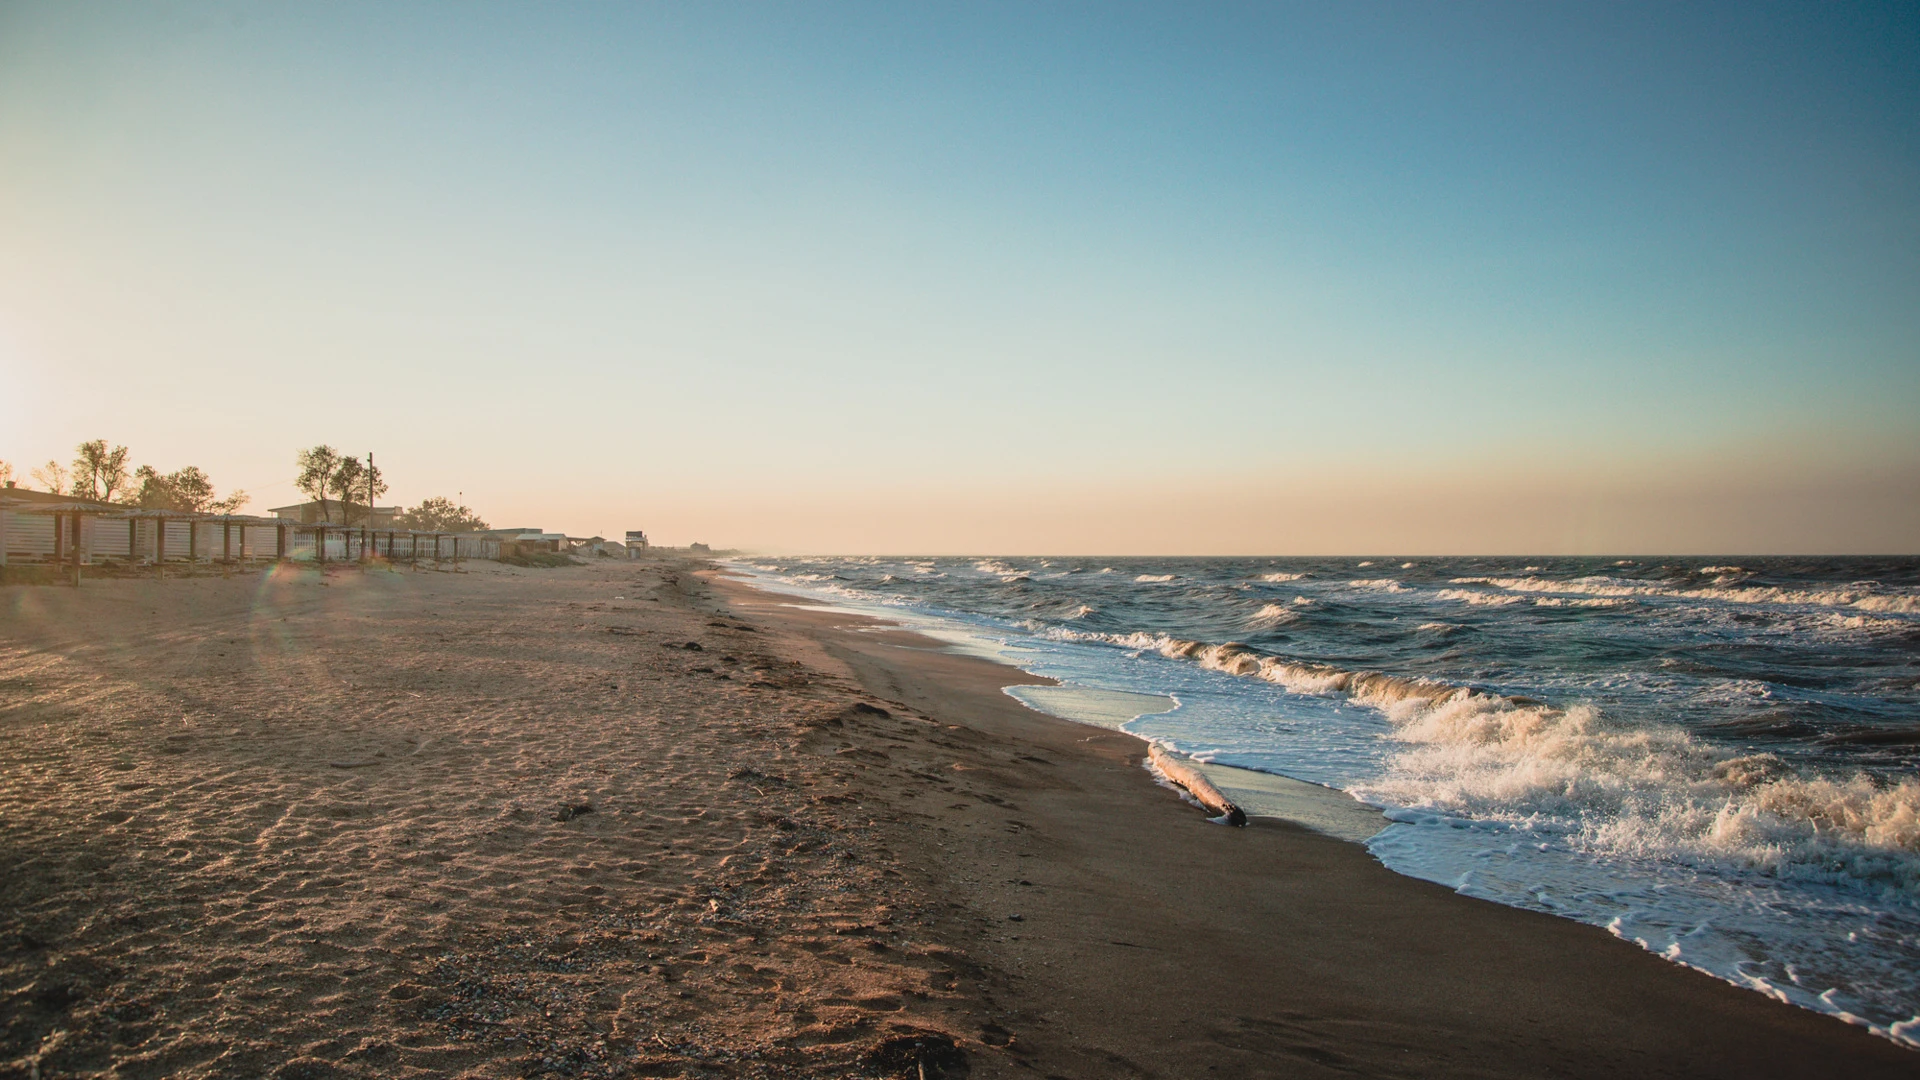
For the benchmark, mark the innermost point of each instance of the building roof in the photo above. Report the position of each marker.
(20, 500)
(50, 499)
(330, 503)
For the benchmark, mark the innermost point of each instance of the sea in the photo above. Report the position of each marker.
(1715, 758)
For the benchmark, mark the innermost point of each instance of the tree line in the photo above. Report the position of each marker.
(99, 473)
(332, 479)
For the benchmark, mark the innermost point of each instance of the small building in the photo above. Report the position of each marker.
(333, 512)
(525, 541)
(636, 543)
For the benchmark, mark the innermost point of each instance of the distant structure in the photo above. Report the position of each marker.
(636, 543)
(321, 512)
(598, 546)
(525, 541)
(699, 549)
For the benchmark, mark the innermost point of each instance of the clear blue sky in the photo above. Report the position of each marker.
(990, 277)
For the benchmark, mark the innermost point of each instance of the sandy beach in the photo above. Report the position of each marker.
(636, 819)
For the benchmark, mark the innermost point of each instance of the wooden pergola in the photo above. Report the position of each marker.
(73, 546)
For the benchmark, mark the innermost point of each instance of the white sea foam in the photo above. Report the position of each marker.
(1651, 793)
(1589, 602)
(1281, 577)
(1478, 598)
(1904, 604)
(1633, 789)
(1636, 790)
(1379, 584)
(1862, 597)
(1869, 623)
(1153, 578)
(1270, 616)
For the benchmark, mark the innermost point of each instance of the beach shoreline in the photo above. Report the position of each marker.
(1284, 948)
(639, 818)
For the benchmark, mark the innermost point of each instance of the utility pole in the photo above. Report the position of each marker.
(366, 531)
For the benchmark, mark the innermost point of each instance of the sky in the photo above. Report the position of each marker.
(1366, 278)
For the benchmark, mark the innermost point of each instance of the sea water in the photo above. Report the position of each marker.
(1713, 758)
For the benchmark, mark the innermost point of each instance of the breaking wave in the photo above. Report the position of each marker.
(1272, 615)
(1480, 599)
(1636, 790)
(1864, 597)
(1589, 602)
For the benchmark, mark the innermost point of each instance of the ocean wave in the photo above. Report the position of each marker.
(1652, 792)
(1270, 616)
(1378, 584)
(1630, 789)
(1904, 605)
(1278, 576)
(1862, 598)
(1869, 623)
(1149, 579)
(1589, 602)
(1234, 658)
(1478, 598)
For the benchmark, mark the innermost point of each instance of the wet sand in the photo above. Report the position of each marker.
(626, 820)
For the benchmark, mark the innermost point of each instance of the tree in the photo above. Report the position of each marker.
(440, 514)
(317, 469)
(188, 491)
(52, 476)
(352, 482)
(99, 472)
(6, 473)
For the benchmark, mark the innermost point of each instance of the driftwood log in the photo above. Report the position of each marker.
(1181, 771)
